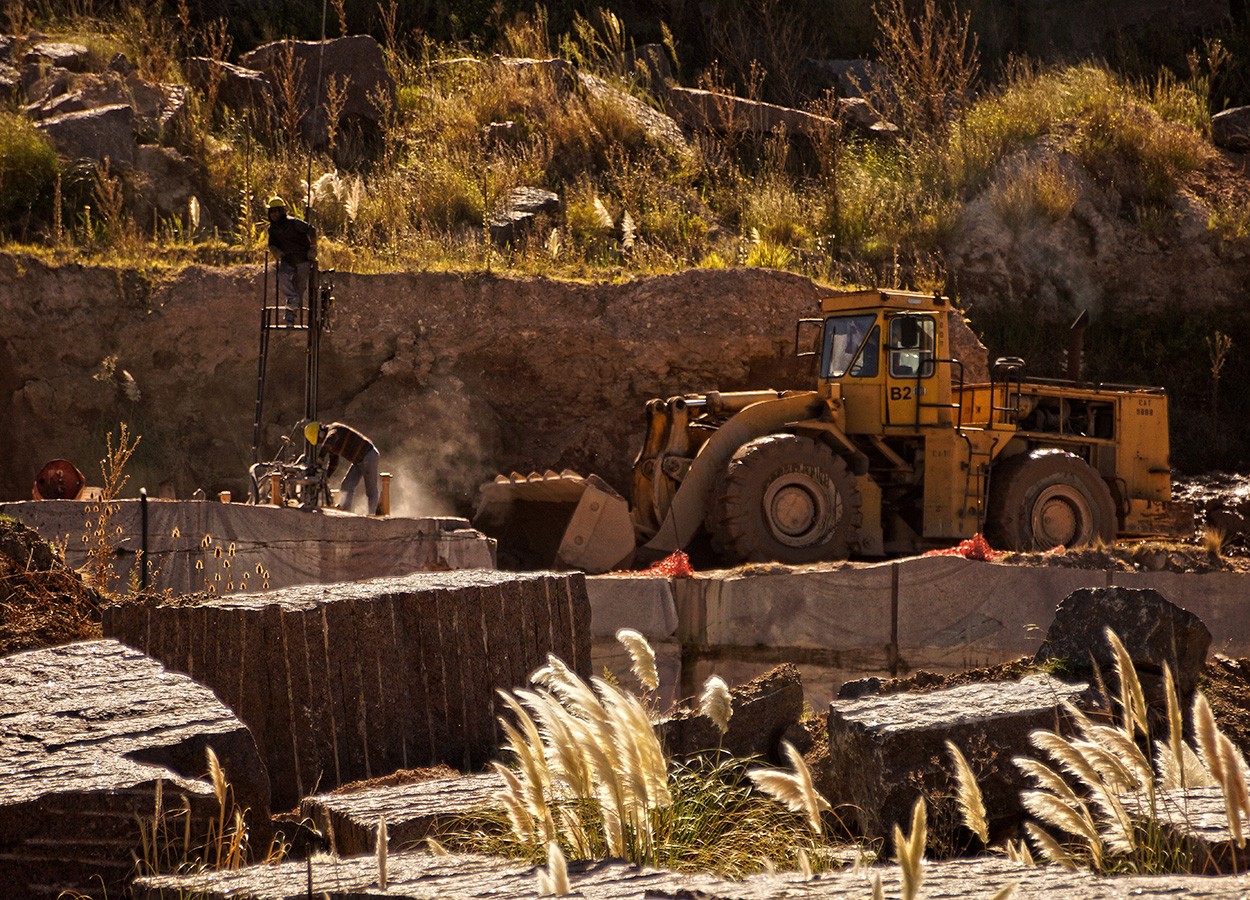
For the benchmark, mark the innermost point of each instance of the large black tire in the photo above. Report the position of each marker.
(786, 499)
(1046, 499)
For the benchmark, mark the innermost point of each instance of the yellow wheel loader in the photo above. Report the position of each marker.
(893, 452)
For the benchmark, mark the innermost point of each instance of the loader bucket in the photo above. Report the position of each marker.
(561, 521)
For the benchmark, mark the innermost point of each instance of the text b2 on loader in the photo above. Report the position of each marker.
(894, 451)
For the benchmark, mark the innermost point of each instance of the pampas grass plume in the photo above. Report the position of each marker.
(969, 797)
(642, 655)
(716, 703)
(795, 790)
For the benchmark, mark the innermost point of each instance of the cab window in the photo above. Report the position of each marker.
(912, 346)
(851, 345)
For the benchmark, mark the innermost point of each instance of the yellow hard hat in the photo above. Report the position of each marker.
(277, 203)
(312, 431)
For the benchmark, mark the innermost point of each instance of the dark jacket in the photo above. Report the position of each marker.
(292, 238)
(346, 442)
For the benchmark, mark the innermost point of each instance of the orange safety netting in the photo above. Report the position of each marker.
(976, 547)
(675, 565)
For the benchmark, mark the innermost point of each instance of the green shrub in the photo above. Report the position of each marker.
(28, 171)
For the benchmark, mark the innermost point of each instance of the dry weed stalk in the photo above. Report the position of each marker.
(102, 538)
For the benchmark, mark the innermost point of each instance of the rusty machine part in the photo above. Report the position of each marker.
(891, 451)
(58, 480)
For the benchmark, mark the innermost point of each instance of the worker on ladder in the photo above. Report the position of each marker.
(293, 242)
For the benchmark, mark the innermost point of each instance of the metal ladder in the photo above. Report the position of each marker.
(310, 318)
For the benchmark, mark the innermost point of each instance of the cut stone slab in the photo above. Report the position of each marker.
(87, 732)
(1153, 630)
(267, 547)
(1197, 820)
(412, 812)
(345, 682)
(609, 654)
(886, 750)
(762, 711)
(420, 876)
(643, 603)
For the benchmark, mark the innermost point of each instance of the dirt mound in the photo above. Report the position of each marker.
(42, 601)
(1136, 556)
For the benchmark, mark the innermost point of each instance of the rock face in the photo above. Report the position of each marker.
(98, 133)
(456, 377)
(763, 709)
(351, 681)
(886, 751)
(89, 731)
(1152, 629)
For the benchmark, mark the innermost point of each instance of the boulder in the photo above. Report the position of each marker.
(885, 751)
(91, 732)
(341, 682)
(357, 58)
(658, 126)
(763, 709)
(1230, 129)
(97, 134)
(518, 211)
(40, 84)
(1153, 630)
(158, 108)
(164, 181)
(73, 57)
(237, 87)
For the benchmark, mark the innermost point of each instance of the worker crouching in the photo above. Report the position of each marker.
(338, 441)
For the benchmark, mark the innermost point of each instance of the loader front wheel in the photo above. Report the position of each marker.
(1048, 498)
(787, 499)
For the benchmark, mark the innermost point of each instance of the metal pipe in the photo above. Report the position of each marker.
(143, 539)
(1076, 345)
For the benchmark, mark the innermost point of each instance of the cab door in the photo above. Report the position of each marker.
(911, 354)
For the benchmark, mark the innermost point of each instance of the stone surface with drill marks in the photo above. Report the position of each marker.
(87, 731)
(351, 681)
(349, 819)
(420, 876)
(885, 751)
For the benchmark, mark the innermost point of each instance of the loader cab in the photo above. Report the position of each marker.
(881, 352)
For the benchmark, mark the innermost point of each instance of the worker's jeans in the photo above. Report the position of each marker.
(368, 469)
(293, 286)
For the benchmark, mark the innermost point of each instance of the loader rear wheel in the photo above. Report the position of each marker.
(1046, 499)
(787, 499)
